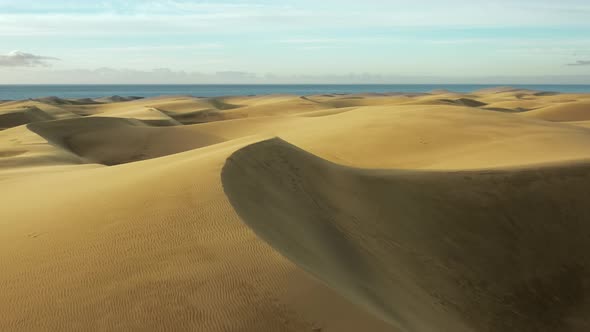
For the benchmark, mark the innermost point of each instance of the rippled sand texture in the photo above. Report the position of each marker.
(430, 212)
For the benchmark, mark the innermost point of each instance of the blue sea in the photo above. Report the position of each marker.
(12, 92)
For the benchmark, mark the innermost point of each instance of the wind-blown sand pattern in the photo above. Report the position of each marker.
(430, 212)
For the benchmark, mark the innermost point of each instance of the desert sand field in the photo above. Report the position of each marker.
(328, 213)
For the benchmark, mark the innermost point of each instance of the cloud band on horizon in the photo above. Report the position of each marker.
(580, 63)
(22, 59)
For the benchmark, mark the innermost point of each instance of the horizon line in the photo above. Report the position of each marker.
(294, 84)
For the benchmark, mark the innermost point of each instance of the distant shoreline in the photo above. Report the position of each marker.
(77, 91)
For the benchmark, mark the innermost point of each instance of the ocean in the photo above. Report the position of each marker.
(12, 92)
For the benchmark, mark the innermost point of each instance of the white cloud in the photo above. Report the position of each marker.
(123, 76)
(22, 59)
(168, 76)
(580, 63)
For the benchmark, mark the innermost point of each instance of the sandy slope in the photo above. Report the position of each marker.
(112, 141)
(151, 245)
(567, 111)
(152, 242)
(23, 152)
(428, 251)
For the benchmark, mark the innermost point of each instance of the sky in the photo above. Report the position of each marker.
(305, 41)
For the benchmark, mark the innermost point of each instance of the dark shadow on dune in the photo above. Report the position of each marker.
(506, 110)
(221, 104)
(11, 153)
(116, 99)
(545, 93)
(61, 101)
(480, 250)
(464, 102)
(202, 116)
(21, 116)
(113, 141)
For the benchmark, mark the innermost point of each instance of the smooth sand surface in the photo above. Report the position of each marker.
(431, 212)
(568, 111)
(488, 250)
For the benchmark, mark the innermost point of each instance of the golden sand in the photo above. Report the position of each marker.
(434, 212)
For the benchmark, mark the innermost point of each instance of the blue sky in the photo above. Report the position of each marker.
(259, 41)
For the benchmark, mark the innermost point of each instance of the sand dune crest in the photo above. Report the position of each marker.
(481, 250)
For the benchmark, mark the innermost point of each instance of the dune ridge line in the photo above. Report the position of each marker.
(477, 250)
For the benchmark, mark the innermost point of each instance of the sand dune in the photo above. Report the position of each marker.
(113, 141)
(428, 251)
(60, 101)
(570, 111)
(15, 117)
(115, 99)
(375, 216)
(465, 102)
(421, 137)
(149, 115)
(508, 90)
(151, 245)
(518, 105)
(23, 152)
(14, 114)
